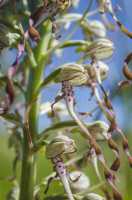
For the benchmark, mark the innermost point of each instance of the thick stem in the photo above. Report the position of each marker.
(28, 174)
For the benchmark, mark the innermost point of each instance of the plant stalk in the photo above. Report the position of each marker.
(28, 174)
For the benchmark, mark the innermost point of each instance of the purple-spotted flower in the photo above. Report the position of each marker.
(55, 150)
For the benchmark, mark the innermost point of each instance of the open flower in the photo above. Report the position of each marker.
(59, 146)
(101, 48)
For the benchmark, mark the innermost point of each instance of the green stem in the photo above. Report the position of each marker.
(28, 174)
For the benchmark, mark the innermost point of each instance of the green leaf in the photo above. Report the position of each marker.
(72, 43)
(51, 78)
(56, 127)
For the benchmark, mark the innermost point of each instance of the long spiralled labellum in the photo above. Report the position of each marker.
(126, 71)
(122, 27)
(61, 171)
(111, 143)
(125, 145)
(93, 156)
(108, 137)
(69, 99)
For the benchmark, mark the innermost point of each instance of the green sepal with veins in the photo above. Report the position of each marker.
(76, 74)
(60, 145)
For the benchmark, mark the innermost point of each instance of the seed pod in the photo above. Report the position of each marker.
(60, 145)
(94, 27)
(79, 181)
(93, 196)
(101, 48)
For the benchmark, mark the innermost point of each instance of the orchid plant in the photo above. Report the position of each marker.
(31, 30)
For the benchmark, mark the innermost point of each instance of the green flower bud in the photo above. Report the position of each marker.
(94, 27)
(78, 75)
(101, 48)
(74, 73)
(60, 145)
(93, 196)
(79, 182)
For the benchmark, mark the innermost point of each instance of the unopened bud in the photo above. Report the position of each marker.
(101, 48)
(78, 75)
(94, 27)
(74, 73)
